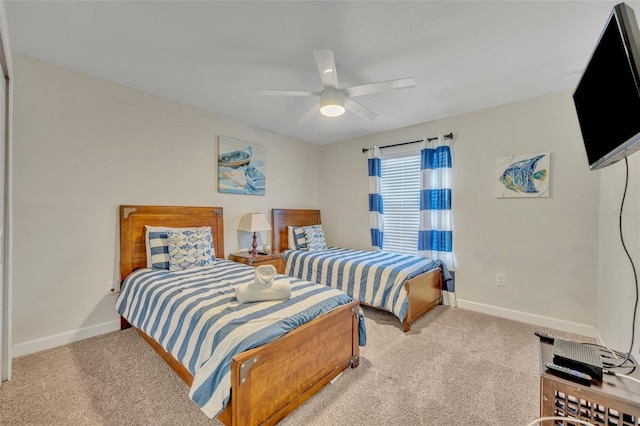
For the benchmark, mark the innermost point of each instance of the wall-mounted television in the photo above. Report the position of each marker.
(607, 97)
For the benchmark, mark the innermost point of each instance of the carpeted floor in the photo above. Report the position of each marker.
(454, 367)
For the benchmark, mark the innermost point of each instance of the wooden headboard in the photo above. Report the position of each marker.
(133, 219)
(282, 218)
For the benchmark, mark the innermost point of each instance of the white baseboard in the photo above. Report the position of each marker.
(542, 321)
(64, 338)
(106, 327)
(599, 338)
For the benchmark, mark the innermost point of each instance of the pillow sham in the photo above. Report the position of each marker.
(291, 243)
(189, 248)
(314, 236)
(299, 240)
(157, 248)
(157, 245)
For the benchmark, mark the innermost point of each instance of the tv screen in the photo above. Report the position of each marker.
(607, 97)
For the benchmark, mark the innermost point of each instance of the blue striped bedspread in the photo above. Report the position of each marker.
(194, 315)
(374, 278)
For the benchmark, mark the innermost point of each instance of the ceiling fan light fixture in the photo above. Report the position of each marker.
(332, 110)
(333, 100)
(332, 103)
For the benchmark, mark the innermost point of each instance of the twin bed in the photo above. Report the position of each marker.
(407, 286)
(276, 355)
(254, 363)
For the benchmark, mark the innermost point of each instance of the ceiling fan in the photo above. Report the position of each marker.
(333, 100)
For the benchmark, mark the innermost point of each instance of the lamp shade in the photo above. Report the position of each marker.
(254, 222)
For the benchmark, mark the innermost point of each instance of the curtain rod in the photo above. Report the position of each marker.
(447, 136)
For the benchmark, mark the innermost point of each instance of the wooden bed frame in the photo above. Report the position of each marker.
(270, 381)
(424, 291)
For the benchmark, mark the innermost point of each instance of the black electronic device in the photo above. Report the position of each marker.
(570, 374)
(578, 356)
(607, 97)
(546, 337)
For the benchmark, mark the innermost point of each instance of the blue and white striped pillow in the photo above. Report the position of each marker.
(158, 248)
(157, 245)
(299, 237)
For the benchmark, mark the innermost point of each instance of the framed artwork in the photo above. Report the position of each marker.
(241, 167)
(523, 176)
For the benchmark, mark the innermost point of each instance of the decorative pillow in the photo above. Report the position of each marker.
(189, 248)
(314, 236)
(157, 245)
(291, 244)
(157, 248)
(299, 238)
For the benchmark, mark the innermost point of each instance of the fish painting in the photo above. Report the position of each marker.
(521, 175)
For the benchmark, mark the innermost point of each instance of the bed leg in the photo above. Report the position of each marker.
(124, 324)
(355, 361)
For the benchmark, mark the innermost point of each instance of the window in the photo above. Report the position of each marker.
(400, 186)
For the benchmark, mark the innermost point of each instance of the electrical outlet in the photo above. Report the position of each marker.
(501, 280)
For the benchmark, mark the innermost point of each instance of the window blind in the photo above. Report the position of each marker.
(401, 197)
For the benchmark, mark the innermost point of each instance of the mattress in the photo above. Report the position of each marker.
(194, 315)
(374, 278)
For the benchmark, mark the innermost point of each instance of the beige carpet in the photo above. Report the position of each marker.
(454, 367)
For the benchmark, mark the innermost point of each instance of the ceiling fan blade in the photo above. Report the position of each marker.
(359, 109)
(313, 111)
(286, 92)
(326, 67)
(366, 89)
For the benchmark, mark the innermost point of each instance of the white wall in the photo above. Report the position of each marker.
(616, 286)
(547, 247)
(83, 146)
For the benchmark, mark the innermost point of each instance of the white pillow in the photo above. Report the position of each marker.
(292, 239)
(160, 257)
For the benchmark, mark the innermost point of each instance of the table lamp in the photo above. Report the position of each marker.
(254, 222)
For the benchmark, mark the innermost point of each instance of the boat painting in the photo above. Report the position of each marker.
(241, 167)
(255, 178)
(237, 158)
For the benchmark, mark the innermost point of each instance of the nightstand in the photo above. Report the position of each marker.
(261, 259)
(613, 401)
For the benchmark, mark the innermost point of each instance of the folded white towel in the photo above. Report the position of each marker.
(265, 274)
(252, 292)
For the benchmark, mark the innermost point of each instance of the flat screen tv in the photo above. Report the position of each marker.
(607, 97)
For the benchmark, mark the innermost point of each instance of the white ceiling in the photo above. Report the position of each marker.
(465, 56)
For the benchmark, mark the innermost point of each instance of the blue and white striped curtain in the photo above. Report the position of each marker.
(376, 220)
(435, 239)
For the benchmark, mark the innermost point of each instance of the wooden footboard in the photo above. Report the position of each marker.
(424, 292)
(283, 374)
(270, 381)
